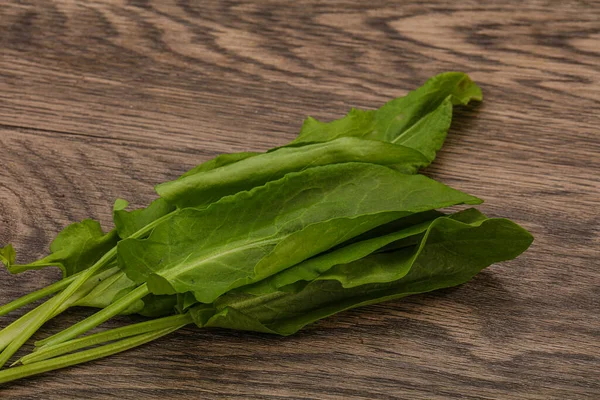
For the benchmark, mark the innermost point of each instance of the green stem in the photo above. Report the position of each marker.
(106, 336)
(83, 356)
(19, 268)
(49, 308)
(94, 320)
(55, 287)
(12, 331)
(38, 294)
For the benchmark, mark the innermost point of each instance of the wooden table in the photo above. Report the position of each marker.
(104, 99)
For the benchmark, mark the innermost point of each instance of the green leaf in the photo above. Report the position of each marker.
(462, 230)
(419, 120)
(204, 188)
(185, 301)
(451, 253)
(252, 235)
(313, 267)
(8, 255)
(394, 226)
(129, 222)
(75, 248)
(158, 305)
(231, 318)
(217, 162)
(398, 234)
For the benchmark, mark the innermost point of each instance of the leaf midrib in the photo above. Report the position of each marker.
(182, 268)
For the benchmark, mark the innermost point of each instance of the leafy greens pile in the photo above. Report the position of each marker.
(270, 242)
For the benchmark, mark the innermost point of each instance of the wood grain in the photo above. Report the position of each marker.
(104, 99)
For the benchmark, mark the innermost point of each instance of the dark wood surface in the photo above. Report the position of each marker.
(104, 99)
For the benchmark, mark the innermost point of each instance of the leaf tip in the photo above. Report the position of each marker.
(467, 90)
(8, 255)
(120, 204)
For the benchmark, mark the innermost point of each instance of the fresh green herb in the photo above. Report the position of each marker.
(252, 235)
(449, 253)
(273, 241)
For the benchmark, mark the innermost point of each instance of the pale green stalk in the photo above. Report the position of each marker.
(106, 336)
(68, 360)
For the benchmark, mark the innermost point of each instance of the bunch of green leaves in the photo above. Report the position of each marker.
(273, 241)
